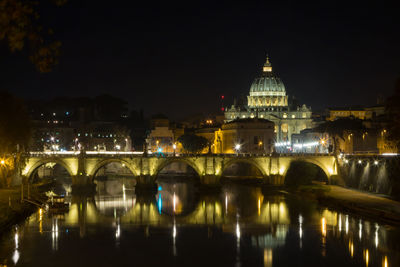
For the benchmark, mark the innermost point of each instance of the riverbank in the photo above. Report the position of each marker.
(365, 204)
(12, 211)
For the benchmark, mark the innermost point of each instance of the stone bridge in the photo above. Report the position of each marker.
(82, 166)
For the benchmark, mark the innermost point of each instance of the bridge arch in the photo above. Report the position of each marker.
(327, 170)
(325, 166)
(30, 169)
(168, 161)
(123, 162)
(254, 163)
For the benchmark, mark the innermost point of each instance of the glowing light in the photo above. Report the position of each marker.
(118, 231)
(174, 146)
(2, 162)
(41, 220)
(359, 161)
(346, 161)
(174, 202)
(340, 222)
(159, 203)
(174, 231)
(117, 147)
(366, 257)
(385, 262)
(351, 248)
(360, 229)
(237, 231)
(267, 257)
(259, 206)
(237, 147)
(347, 224)
(376, 162)
(15, 257)
(300, 226)
(16, 240)
(376, 235)
(226, 204)
(323, 226)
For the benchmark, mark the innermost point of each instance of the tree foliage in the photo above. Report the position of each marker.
(14, 124)
(337, 128)
(14, 135)
(393, 113)
(193, 143)
(20, 29)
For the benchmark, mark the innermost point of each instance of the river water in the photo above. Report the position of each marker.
(241, 226)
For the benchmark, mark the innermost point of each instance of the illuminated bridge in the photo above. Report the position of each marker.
(83, 165)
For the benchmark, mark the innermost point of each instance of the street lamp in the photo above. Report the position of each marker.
(2, 162)
(237, 148)
(174, 147)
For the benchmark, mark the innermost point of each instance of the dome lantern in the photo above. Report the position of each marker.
(267, 66)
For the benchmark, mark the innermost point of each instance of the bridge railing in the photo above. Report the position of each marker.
(168, 155)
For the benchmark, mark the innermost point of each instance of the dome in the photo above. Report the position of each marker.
(267, 90)
(268, 83)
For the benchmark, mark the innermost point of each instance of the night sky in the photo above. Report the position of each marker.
(177, 59)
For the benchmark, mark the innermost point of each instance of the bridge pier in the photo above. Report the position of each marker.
(274, 179)
(145, 184)
(83, 184)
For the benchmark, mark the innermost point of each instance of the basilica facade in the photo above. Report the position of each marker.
(268, 100)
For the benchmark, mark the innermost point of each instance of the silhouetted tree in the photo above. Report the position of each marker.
(193, 143)
(20, 28)
(14, 135)
(337, 128)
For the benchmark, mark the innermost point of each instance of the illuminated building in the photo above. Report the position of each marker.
(163, 136)
(268, 100)
(255, 136)
(362, 113)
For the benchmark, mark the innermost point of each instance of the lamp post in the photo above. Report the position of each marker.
(174, 147)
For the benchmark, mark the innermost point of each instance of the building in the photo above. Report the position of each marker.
(254, 136)
(163, 136)
(268, 100)
(362, 113)
(59, 125)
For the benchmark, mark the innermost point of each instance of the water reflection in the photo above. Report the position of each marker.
(241, 218)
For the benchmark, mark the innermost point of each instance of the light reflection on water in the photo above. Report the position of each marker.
(251, 228)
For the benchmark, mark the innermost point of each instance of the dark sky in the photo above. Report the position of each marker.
(177, 59)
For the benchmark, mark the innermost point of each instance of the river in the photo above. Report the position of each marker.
(241, 226)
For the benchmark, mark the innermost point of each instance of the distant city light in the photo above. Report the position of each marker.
(237, 146)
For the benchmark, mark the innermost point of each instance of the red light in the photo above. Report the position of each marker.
(222, 109)
(222, 96)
